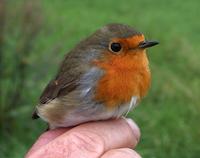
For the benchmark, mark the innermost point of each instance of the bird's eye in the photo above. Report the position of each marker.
(115, 47)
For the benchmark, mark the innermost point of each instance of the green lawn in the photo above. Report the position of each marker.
(169, 116)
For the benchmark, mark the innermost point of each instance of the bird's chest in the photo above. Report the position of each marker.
(123, 78)
(117, 87)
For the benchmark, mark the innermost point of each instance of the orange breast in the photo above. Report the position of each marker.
(125, 76)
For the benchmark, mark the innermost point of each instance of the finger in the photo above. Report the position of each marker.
(114, 133)
(92, 140)
(121, 153)
(45, 138)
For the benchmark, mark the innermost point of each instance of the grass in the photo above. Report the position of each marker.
(168, 116)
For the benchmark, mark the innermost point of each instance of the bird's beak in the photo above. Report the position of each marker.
(147, 44)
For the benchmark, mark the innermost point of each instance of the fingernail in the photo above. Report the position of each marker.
(134, 127)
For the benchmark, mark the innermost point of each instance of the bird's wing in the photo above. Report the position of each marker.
(65, 81)
(57, 88)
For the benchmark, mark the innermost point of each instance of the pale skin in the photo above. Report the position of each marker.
(102, 139)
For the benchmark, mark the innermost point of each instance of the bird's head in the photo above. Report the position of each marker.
(119, 45)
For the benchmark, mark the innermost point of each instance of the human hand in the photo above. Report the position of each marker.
(102, 139)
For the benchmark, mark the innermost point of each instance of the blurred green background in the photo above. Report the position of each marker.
(35, 35)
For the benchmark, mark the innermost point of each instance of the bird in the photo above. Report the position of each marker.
(103, 77)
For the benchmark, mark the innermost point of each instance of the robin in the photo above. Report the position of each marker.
(103, 77)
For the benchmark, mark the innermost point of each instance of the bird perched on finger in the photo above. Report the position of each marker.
(103, 77)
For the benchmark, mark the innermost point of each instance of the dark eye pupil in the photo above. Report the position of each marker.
(115, 47)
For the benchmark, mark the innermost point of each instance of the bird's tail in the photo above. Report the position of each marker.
(35, 115)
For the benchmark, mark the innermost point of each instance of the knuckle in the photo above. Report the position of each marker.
(87, 142)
